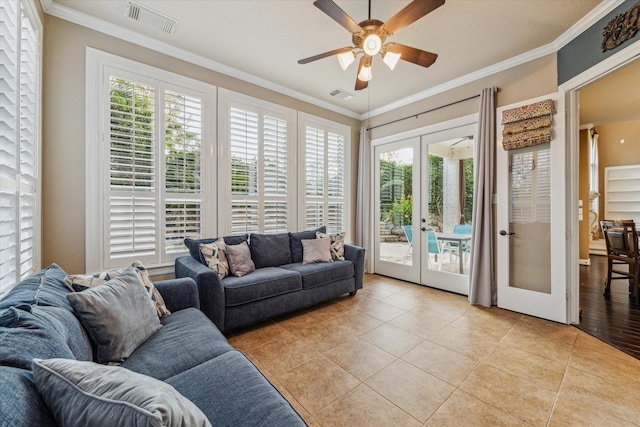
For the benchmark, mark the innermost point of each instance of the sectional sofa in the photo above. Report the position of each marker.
(38, 329)
(281, 282)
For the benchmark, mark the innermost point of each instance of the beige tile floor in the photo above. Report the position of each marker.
(399, 354)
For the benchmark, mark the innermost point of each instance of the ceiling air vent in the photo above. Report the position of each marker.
(149, 16)
(341, 94)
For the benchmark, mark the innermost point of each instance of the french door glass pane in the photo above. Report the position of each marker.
(396, 237)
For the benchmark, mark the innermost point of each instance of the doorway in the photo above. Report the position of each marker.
(423, 208)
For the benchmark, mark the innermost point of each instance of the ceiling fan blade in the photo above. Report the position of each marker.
(326, 54)
(361, 84)
(338, 15)
(410, 14)
(411, 54)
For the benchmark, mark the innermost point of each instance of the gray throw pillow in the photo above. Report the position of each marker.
(88, 394)
(119, 315)
(316, 250)
(270, 250)
(81, 282)
(239, 257)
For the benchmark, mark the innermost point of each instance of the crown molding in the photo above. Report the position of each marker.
(468, 78)
(586, 22)
(80, 18)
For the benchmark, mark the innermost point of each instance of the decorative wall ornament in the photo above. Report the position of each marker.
(621, 28)
(528, 125)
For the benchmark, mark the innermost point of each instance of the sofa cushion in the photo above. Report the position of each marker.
(21, 404)
(69, 327)
(24, 336)
(119, 315)
(314, 275)
(296, 242)
(187, 338)
(88, 394)
(270, 250)
(82, 282)
(43, 288)
(235, 393)
(194, 244)
(263, 283)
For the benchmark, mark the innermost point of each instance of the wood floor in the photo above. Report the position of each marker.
(612, 319)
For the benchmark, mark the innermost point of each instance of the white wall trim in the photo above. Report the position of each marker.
(96, 24)
(586, 22)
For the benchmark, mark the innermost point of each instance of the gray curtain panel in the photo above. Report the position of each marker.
(482, 283)
(364, 206)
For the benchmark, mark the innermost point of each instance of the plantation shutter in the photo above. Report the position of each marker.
(259, 185)
(183, 153)
(531, 189)
(315, 162)
(19, 143)
(274, 161)
(132, 164)
(335, 180)
(325, 178)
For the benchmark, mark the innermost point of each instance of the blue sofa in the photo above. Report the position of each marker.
(187, 352)
(280, 284)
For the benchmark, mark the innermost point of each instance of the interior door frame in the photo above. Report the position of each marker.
(570, 90)
(552, 306)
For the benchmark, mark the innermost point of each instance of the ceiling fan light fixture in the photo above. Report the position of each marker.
(365, 73)
(372, 44)
(391, 59)
(345, 59)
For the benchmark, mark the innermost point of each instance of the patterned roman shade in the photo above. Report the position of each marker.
(528, 125)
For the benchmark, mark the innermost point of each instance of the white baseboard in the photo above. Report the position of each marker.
(584, 261)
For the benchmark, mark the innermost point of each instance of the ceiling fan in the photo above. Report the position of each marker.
(369, 38)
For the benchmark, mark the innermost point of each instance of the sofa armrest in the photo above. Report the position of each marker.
(179, 294)
(355, 254)
(210, 289)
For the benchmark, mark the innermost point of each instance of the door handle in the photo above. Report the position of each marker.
(504, 233)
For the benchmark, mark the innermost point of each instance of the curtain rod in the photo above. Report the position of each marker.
(428, 111)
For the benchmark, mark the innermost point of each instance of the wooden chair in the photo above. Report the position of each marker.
(621, 239)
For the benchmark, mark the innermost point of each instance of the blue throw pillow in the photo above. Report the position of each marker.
(270, 250)
(42, 288)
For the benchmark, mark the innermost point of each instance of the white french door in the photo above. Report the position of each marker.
(531, 231)
(419, 184)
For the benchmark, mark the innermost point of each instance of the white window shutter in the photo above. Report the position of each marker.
(19, 144)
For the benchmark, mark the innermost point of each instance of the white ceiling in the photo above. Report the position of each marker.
(265, 39)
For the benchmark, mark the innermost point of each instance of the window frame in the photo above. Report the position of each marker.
(307, 120)
(27, 10)
(99, 67)
(226, 100)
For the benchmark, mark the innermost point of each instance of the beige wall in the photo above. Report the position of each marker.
(535, 78)
(612, 153)
(63, 136)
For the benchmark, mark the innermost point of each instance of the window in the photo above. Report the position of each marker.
(324, 157)
(20, 41)
(257, 148)
(531, 185)
(153, 150)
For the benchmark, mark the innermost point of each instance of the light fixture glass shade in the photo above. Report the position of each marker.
(345, 59)
(365, 73)
(391, 59)
(372, 44)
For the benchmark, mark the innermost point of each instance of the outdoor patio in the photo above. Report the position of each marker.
(396, 251)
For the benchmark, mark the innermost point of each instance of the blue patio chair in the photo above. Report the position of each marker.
(408, 233)
(463, 229)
